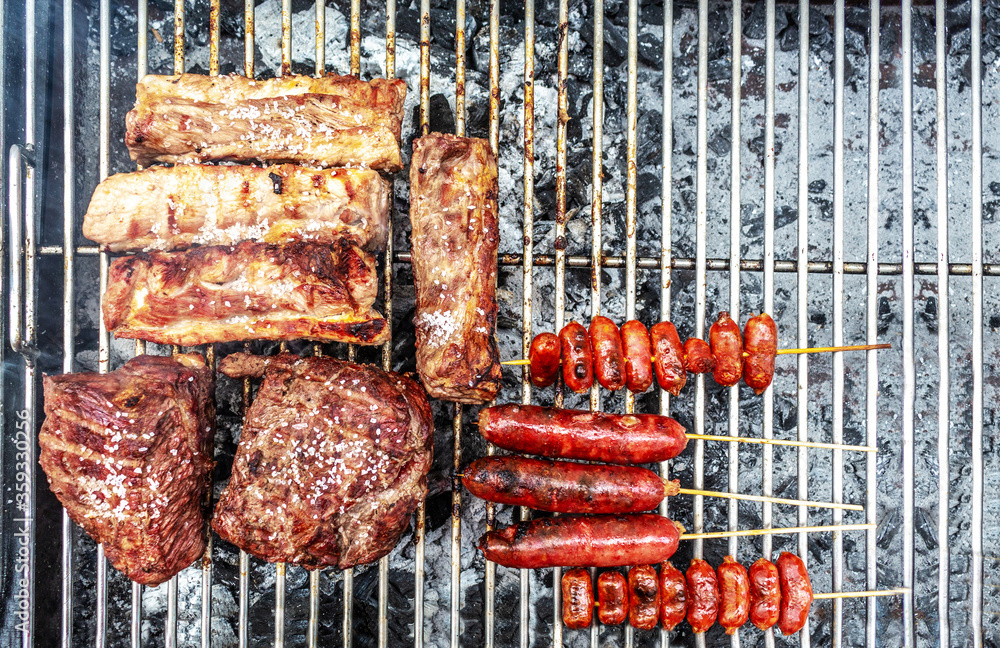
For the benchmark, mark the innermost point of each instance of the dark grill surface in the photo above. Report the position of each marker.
(676, 210)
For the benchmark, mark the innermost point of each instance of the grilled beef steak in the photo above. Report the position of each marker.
(322, 121)
(168, 208)
(129, 454)
(332, 461)
(453, 211)
(246, 292)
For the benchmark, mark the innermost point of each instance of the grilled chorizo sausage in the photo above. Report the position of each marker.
(796, 593)
(577, 599)
(565, 486)
(612, 598)
(765, 594)
(698, 356)
(668, 357)
(592, 540)
(577, 358)
(760, 343)
(643, 597)
(609, 357)
(703, 595)
(734, 595)
(545, 356)
(579, 434)
(638, 356)
(673, 596)
(727, 348)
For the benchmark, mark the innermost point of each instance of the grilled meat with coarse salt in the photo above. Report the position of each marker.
(332, 461)
(453, 211)
(172, 208)
(250, 291)
(129, 454)
(320, 121)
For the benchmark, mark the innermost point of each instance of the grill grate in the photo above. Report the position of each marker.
(771, 271)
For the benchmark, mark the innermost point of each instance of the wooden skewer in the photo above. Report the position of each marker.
(823, 596)
(777, 531)
(853, 347)
(784, 442)
(773, 500)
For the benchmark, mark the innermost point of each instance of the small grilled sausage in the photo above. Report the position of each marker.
(545, 355)
(673, 596)
(765, 594)
(638, 356)
(703, 595)
(796, 593)
(579, 434)
(612, 598)
(566, 486)
(594, 540)
(609, 356)
(577, 358)
(760, 343)
(577, 599)
(643, 597)
(668, 357)
(698, 356)
(734, 595)
(727, 349)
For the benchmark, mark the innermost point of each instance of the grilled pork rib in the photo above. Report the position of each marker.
(168, 208)
(129, 454)
(248, 291)
(324, 121)
(453, 211)
(332, 461)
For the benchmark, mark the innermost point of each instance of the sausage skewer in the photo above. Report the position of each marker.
(623, 357)
(739, 596)
(569, 487)
(610, 438)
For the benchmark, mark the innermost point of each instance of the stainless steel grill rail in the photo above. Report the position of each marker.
(928, 598)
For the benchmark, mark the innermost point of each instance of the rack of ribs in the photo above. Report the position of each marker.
(332, 461)
(250, 291)
(129, 454)
(169, 208)
(453, 212)
(320, 121)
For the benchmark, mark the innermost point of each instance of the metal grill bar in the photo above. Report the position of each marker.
(977, 323)
(871, 310)
(767, 479)
(909, 378)
(837, 484)
(494, 138)
(69, 283)
(734, 275)
(527, 279)
(666, 215)
(944, 409)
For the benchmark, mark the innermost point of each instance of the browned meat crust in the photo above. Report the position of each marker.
(453, 210)
(129, 454)
(325, 121)
(251, 291)
(168, 208)
(332, 461)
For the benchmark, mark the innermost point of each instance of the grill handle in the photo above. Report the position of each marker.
(22, 246)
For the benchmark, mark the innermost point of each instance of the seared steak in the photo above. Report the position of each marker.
(453, 210)
(332, 461)
(129, 454)
(325, 121)
(249, 291)
(168, 208)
